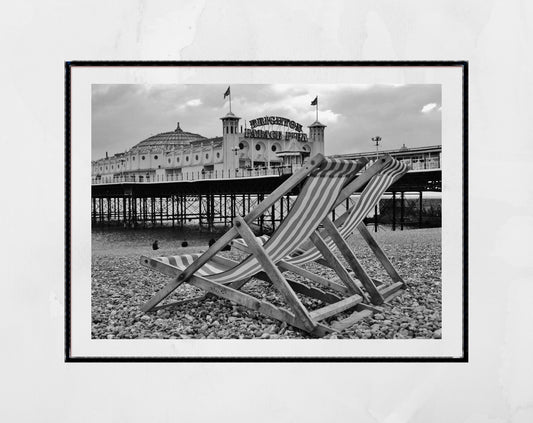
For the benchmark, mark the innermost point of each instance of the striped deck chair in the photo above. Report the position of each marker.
(380, 177)
(323, 180)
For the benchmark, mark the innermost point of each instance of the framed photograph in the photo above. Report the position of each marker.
(266, 211)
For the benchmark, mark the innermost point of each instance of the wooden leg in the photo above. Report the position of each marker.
(380, 255)
(336, 265)
(253, 303)
(283, 265)
(274, 274)
(239, 284)
(352, 261)
(167, 289)
(241, 298)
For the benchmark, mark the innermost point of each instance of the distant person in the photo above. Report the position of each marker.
(184, 244)
(155, 245)
(212, 241)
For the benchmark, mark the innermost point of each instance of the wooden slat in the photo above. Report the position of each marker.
(240, 298)
(378, 252)
(274, 273)
(392, 296)
(352, 261)
(391, 291)
(313, 277)
(240, 247)
(336, 308)
(313, 292)
(323, 262)
(252, 303)
(301, 288)
(337, 266)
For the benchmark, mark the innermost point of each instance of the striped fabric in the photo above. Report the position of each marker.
(240, 242)
(316, 199)
(183, 261)
(368, 199)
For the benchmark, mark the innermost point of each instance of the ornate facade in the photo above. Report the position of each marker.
(181, 155)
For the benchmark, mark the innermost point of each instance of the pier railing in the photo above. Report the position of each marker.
(197, 176)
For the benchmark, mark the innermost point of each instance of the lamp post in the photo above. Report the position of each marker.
(377, 141)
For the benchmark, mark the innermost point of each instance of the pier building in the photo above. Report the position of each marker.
(180, 177)
(268, 142)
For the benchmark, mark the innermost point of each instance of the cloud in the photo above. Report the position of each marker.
(428, 107)
(125, 114)
(194, 102)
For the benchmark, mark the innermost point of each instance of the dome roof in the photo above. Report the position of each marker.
(167, 140)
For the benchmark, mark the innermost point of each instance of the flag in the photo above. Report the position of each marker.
(228, 92)
(315, 101)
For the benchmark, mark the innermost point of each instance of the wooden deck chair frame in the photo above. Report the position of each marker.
(298, 315)
(376, 291)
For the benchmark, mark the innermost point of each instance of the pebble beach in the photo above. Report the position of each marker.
(120, 285)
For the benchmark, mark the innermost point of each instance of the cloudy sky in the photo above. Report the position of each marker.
(123, 115)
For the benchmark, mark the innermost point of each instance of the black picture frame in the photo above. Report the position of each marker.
(69, 65)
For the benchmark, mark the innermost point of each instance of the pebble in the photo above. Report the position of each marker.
(120, 286)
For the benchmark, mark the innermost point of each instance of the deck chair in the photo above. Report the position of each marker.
(323, 180)
(380, 177)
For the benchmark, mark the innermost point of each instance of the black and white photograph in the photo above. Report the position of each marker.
(258, 213)
(169, 197)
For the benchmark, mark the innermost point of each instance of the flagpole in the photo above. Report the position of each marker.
(317, 109)
(230, 100)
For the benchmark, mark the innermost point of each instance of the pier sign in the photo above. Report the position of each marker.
(276, 120)
(274, 135)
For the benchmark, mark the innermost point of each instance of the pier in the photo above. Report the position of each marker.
(212, 199)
